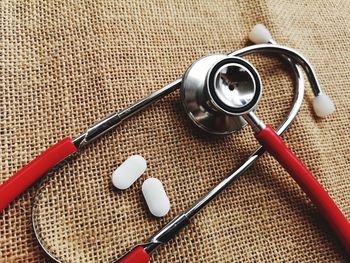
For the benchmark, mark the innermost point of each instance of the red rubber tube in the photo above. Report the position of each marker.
(136, 255)
(26, 176)
(274, 144)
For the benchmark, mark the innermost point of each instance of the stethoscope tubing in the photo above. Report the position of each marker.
(66, 147)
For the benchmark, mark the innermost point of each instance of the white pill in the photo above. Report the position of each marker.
(156, 198)
(129, 171)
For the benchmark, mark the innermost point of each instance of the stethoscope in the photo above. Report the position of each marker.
(219, 94)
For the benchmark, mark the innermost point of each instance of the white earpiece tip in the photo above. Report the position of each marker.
(129, 171)
(323, 105)
(260, 34)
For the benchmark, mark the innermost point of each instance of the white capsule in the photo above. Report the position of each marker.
(156, 198)
(129, 171)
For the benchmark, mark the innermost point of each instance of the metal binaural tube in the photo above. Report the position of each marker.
(288, 53)
(143, 103)
(116, 118)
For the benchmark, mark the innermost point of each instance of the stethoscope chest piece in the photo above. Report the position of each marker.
(216, 90)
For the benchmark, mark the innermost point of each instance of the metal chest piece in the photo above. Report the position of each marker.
(216, 90)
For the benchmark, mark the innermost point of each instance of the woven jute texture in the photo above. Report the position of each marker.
(66, 64)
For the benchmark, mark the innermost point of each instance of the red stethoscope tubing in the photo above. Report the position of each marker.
(275, 146)
(136, 255)
(30, 173)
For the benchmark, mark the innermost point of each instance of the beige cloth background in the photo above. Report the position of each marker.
(66, 64)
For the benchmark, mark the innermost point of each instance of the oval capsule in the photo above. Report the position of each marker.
(129, 171)
(156, 198)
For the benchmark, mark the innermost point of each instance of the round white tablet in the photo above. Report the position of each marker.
(129, 171)
(156, 198)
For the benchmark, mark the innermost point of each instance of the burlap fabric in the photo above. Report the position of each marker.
(66, 64)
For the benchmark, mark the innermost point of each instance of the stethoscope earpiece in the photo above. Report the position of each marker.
(260, 35)
(322, 104)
